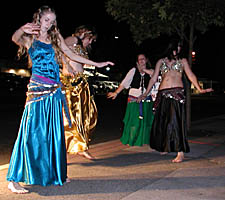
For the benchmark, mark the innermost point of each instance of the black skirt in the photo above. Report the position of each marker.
(169, 131)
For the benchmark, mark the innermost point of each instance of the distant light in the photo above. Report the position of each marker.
(193, 53)
(12, 71)
(4, 166)
(107, 68)
(22, 72)
(116, 37)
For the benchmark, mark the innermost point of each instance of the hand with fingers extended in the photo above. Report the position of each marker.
(206, 90)
(103, 64)
(112, 95)
(31, 28)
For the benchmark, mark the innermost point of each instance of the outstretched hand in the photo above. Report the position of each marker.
(112, 95)
(103, 64)
(31, 28)
(206, 90)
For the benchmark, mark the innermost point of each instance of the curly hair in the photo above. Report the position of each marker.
(90, 31)
(53, 33)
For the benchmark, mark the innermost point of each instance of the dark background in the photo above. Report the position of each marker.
(70, 14)
(210, 52)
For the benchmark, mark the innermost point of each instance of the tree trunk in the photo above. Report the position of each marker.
(187, 82)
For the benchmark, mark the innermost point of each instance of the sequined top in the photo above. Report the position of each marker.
(79, 50)
(176, 66)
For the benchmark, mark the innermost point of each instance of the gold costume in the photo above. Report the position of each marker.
(82, 110)
(83, 113)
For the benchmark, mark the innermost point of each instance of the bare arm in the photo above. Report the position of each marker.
(20, 39)
(154, 77)
(191, 76)
(65, 67)
(114, 94)
(150, 72)
(70, 41)
(124, 84)
(78, 58)
(152, 81)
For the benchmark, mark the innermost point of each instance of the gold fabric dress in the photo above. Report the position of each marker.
(82, 110)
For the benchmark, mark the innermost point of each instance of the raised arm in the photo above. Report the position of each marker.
(78, 58)
(20, 39)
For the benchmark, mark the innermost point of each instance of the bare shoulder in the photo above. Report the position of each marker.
(70, 41)
(184, 61)
(159, 62)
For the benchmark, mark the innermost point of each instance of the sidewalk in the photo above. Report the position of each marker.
(139, 173)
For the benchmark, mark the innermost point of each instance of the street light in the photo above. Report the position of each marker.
(193, 56)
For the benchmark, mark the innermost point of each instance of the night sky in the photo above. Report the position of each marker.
(70, 14)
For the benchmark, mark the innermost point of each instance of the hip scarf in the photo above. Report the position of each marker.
(176, 93)
(134, 99)
(41, 87)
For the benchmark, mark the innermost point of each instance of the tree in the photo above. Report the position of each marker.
(149, 19)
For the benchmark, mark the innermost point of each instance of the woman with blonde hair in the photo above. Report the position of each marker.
(82, 107)
(39, 153)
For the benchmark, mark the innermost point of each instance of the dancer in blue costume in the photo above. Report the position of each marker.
(39, 154)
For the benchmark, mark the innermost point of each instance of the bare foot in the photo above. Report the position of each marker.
(17, 188)
(87, 155)
(68, 180)
(163, 153)
(179, 158)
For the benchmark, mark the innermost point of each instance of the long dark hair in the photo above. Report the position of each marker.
(174, 45)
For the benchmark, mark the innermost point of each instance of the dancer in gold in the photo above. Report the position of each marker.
(82, 108)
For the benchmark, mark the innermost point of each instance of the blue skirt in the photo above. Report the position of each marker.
(39, 153)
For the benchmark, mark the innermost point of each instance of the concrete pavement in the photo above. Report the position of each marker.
(139, 173)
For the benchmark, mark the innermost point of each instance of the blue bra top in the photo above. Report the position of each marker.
(176, 66)
(43, 60)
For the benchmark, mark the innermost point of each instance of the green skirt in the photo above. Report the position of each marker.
(136, 131)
